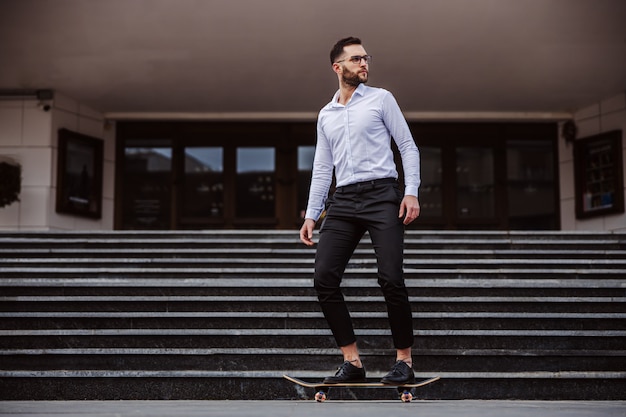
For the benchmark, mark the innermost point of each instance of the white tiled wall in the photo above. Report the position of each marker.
(605, 116)
(28, 135)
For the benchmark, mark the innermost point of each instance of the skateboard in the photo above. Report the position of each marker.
(405, 391)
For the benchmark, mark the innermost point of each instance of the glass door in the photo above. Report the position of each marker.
(475, 185)
(459, 188)
(305, 168)
(147, 185)
(257, 175)
(255, 183)
(531, 185)
(431, 190)
(201, 192)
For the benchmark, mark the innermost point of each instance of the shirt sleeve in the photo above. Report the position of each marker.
(321, 177)
(399, 129)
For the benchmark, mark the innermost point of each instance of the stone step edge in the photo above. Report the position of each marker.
(117, 332)
(592, 269)
(306, 298)
(365, 353)
(315, 375)
(304, 251)
(292, 238)
(308, 282)
(575, 253)
(258, 263)
(302, 315)
(265, 232)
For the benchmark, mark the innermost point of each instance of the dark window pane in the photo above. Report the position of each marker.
(475, 183)
(305, 168)
(203, 186)
(430, 193)
(531, 185)
(256, 169)
(147, 192)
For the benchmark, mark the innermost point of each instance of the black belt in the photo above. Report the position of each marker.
(366, 185)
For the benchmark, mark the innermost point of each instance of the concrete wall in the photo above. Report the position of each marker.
(28, 135)
(601, 117)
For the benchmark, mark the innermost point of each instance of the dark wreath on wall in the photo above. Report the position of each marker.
(79, 175)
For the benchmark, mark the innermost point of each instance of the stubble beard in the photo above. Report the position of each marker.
(354, 78)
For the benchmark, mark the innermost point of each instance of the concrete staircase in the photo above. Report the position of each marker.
(223, 314)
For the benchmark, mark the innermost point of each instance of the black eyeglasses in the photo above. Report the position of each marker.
(356, 59)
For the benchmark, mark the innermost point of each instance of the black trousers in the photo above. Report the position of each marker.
(373, 207)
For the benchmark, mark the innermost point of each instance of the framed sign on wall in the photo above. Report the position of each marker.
(599, 176)
(79, 175)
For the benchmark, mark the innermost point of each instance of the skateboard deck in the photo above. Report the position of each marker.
(404, 390)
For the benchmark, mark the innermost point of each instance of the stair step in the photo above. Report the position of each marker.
(416, 255)
(84, 264)
(551, 281)
(215, 314)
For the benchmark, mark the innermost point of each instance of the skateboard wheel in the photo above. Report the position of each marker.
(406, 397)
(320, 396)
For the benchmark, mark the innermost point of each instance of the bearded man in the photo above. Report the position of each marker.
(354, 133)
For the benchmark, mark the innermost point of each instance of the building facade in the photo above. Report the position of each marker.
(501, 174)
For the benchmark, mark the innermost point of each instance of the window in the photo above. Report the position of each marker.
(147, 184)
(256, 169)
(531, 187)
(305, 168)
(203, 185)
(431, 190)
(475, 183)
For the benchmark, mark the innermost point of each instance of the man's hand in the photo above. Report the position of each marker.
(306, 232)
(409, 209)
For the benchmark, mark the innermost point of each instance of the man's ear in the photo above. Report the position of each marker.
(337, 68)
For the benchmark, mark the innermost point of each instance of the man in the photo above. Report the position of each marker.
(354, 135)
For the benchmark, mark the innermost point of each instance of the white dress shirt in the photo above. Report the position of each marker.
(355, 140)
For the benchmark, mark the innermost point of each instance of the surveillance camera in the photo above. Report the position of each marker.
(44, 106)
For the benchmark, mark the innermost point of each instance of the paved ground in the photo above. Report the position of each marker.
(311, 408)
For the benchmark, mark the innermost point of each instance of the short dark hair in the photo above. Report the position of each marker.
(338, 48)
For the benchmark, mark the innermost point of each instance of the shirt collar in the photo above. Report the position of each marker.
(360, 90)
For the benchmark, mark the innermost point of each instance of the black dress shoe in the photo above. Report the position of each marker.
(401, 373)
(346, 373)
